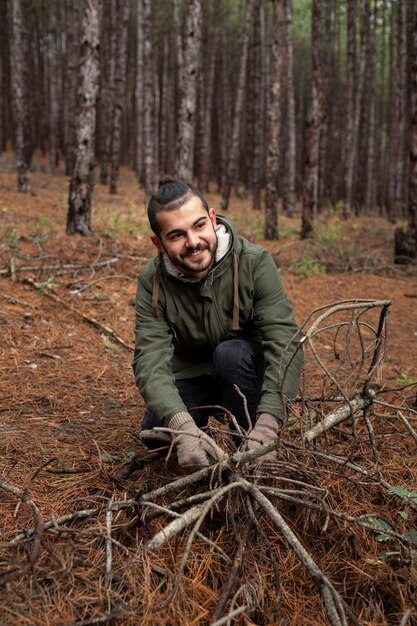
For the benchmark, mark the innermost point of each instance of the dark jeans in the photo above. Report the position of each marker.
(235, 362)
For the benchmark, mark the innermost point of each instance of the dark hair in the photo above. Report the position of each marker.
(170, 195)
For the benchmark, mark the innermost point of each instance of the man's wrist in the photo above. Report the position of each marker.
(270, 421)
(179, 419)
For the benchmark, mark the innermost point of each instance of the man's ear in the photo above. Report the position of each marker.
(212, 216)
(157, 243)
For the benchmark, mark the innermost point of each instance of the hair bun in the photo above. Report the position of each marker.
(166, 179)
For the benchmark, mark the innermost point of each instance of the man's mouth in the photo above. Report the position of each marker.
(195, 253)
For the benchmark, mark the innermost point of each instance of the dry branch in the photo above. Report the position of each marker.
(16, 573)
(358, 403)
(90, 320)
(60, 267)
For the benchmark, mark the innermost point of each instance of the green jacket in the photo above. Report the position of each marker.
(179, 323)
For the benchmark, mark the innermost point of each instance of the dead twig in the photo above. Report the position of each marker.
(90, 320)
(18, 572)
(109, 547)
(60, 267)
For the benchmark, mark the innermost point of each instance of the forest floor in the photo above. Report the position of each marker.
(70, 414)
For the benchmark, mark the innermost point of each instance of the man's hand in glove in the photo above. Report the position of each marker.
(265, 431)
(194, 448)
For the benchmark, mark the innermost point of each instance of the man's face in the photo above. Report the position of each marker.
(188, 237)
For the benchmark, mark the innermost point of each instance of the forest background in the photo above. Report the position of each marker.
(299, 120)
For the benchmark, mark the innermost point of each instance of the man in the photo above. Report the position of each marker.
(211, 313)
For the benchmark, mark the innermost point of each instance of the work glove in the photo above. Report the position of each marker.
(193, 448)
(265, 431)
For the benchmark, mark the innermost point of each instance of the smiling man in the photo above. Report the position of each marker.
(211, 314)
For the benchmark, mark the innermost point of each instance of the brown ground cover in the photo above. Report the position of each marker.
(70, 412)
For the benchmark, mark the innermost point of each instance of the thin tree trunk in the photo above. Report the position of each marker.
(318, 114)
(205, 143)
(184, 154)
(20, 86)
(224, 104)
(274, 124)
(53, 88)
(258, 108)
(358, 107)
(123, 10)
(393, 129)
(371, 158)
(156, 110)
(406, 242)
(4, 77)
(291, 155)
(109, 54)
(79, 208)
(165, 104)
(381, 100)
(149, 101)
(233, 158)
(178, 44)
(71, 74)
(139, 90)
(349, 157)
(327, 63)
(401, 100)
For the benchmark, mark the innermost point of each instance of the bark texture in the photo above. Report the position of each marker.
(184, 158)
(54, 112)
(318, 113)
(406, 242)
(233, 158)
(79, 209)
(123, 10)
(291, 152)
(21, 82)
(149, 101)
(71, 75)
(274, 125)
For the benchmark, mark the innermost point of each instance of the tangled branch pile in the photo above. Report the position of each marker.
(324, 535)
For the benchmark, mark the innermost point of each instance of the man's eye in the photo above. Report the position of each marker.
(200, 225)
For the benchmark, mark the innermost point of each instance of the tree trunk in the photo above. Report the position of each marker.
(406, 242)
(401, 108)
(123, 10)
(291, 154)
(148, 102)
(79, 208)
(108, 53)
(207, 111)
(71, 74)
(139, 91)
(224, 103)
(258, 108)
(274, 124)
(53, 88)
(349, 157)
(318, 114)
(4, 77)
(21, 83)
(233, 158)
(184, 156)
(370, 177)
(364, 108)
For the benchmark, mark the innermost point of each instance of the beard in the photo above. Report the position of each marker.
(190, 267)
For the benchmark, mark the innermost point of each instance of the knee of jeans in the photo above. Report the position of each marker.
(229, 355)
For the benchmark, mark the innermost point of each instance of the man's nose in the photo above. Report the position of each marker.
(192, 240)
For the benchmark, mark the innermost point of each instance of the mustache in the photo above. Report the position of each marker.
(190, 251)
